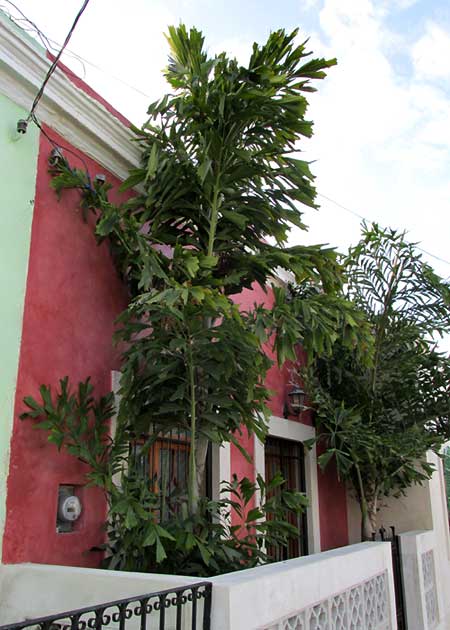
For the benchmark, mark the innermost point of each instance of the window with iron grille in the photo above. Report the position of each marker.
(165, 463)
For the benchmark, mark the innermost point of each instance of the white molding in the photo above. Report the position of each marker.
(290, 429)
(297, 432)
(221, 468)
(79, 118)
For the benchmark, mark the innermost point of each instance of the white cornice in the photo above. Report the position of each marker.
(80, 119)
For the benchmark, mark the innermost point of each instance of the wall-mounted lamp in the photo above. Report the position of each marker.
(56, 157)
(100, 178)
(295, 403)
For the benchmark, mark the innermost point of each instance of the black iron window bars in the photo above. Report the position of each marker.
(182, 608)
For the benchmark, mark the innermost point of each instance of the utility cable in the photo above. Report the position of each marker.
(83, 60)
(52, 46)
(58, 147)
(363, 218)
(56, 60)
(23, 124)
(47, 43)
(44, 39)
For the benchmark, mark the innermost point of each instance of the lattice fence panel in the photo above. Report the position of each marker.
(362, 607)
(429, 584)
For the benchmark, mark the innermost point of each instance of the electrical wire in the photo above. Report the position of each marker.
(363, 218)
(44, 39)
(55, 61)
(69, 53)
(83, 60)
(58, 146)
(47, 44)
(52, 46)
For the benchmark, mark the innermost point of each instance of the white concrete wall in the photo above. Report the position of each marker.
(441, 531)
(277, 596)
(406, 513)
(410, 512)
(34, 590)
(422, 509)
(261, 598)
(425, 508)
(423, 597)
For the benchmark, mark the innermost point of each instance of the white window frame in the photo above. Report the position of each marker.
(220, 456)
(220, 469)
(279, 428)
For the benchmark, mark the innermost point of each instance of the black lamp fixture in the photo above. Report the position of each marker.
(56, 157)
(296, 401)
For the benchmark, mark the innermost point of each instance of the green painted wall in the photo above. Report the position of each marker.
(18, 164)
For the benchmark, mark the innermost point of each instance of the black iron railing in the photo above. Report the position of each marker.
(394, 539)
(181, 608)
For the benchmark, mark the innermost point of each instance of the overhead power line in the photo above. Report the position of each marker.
(56, 60)
(363, 218)
(44, 40)
(58, 147)
(47, 43)
(22, 124)
(51, 46)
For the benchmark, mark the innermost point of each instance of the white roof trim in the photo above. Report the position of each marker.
(80, 119)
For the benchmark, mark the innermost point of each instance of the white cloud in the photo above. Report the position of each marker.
(382, 142)
(431, 53)
(309, 4)
(234, 47)
(400, 4)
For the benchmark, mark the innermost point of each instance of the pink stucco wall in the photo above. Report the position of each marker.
(332, 509)
(73, 295)
(332, 493)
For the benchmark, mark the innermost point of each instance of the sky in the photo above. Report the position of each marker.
(381, 147)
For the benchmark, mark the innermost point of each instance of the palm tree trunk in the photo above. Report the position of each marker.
(193, 494)
(198, 448)
(368, 517)
(366, 523)
(368, 507)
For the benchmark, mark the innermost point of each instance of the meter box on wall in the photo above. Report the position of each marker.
(69, 509)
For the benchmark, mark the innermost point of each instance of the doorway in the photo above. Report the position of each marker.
(288, 457)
